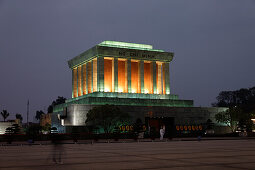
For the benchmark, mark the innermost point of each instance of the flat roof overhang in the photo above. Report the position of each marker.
(118, 52)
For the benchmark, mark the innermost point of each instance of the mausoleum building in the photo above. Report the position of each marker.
(134, 77)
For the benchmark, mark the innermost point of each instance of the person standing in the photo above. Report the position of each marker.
(57, 148)
(162, 132)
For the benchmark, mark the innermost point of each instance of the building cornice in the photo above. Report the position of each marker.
(106, 51)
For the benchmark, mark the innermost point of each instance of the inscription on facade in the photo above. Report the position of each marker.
(134, 54)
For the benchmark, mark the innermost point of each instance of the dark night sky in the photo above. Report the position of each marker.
(213, 42)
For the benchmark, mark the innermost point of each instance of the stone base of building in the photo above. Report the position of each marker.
(177, 115)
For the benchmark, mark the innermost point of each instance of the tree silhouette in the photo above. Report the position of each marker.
(229, 117)
(59, 100)
(210, 124)
(5, 114)
(19, 116)
(241, 104)
(107, 117)
(38, 114)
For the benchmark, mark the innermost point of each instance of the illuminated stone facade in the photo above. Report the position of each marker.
(121, 68)
(134, 77)
(123, 73)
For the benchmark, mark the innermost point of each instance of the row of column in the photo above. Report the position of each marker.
(104, 74)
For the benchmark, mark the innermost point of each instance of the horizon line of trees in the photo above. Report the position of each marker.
(5, 114)
(241, 108)
(59, 100)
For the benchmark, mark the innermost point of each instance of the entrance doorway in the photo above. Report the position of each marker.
(154, 124)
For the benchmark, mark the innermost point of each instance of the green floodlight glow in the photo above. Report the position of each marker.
(128, 45)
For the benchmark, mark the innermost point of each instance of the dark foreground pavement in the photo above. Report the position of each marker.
(209, 154)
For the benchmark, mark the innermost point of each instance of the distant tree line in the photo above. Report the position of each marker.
(241, 108)
(59, 100)
(5, 114)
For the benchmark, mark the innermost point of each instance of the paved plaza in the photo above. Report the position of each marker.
(208, 154)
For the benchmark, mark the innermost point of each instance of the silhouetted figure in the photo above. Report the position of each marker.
(199, 138)
(162, 132)
(57, 148)
(153, 133)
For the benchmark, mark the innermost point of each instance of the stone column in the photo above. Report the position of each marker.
(159, 82)
(77, 82)
(92, 76)
(167, 78)
(100, 74)
(129, 75)
(87, 70)
(139, 78)
(141, 69)
(84, 78)
(115, 74)
(72, 83)
(125, 90)
(81, 80)
(154, 77)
